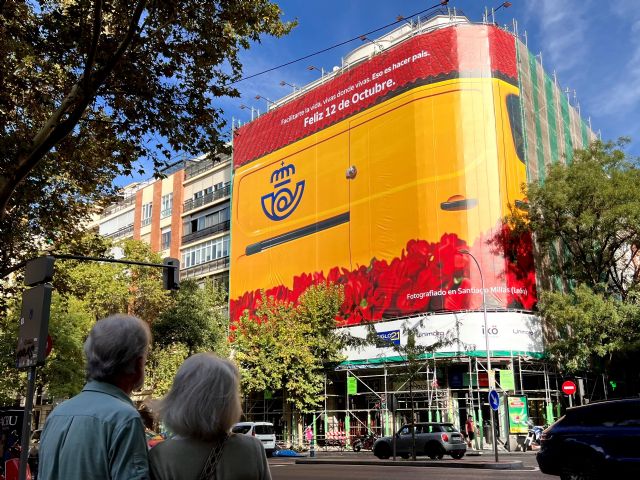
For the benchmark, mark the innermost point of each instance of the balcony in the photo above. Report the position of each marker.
(205, 268)
(208, 198)
(196, 168)
(122, 232)
(205, 232)
(121, 205)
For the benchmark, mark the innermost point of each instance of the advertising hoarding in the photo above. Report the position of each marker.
(379, 177)
(518, 414)
(510, 333)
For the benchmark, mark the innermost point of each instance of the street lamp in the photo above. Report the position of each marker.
(269, 102)
(292, 85)
(313, 67)
(486, 340)
(364, 38)
(494, 10)
(244, 107)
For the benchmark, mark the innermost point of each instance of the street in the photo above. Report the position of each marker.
(285, 468)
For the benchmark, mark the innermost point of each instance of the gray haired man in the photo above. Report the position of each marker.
(98, 434)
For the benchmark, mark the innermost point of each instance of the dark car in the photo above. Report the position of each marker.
(592, 441)
(432, 439)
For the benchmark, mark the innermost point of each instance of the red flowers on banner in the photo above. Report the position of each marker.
(426, 277)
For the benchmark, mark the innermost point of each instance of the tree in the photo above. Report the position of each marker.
(196, 319)
(589, 330)
(586, 216)
(585, 220)
(162, 365)
(84, 292)
(91, 86)
(290, 347)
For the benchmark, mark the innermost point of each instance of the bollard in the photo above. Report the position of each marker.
(312, 450)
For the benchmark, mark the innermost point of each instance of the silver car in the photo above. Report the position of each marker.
(434, 440)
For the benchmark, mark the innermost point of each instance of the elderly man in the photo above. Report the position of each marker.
(98, 434)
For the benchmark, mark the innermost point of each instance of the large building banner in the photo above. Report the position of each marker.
(509, 334)
(385, 178)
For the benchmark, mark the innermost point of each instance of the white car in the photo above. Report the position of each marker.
(263, 431)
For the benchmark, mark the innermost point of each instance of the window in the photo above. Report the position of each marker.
(115, 224)
(146, 213)
(206, 252)
(165, 238)
(202, 193)
(167, 204)
(210, 219)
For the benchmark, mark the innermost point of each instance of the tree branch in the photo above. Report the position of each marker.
(57, 127)
(97, 30)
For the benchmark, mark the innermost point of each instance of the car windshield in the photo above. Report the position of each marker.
(448, 428)
(241, 428)
(264, 429)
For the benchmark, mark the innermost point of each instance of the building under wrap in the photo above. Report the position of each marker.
(391, 175)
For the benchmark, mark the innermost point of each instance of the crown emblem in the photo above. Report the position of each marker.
(283, 201)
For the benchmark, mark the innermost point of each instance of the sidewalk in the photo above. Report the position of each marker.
(478, 460)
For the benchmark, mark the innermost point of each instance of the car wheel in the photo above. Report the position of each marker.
(382, 451)
(457, 455)
(434, 451)
(405, 455)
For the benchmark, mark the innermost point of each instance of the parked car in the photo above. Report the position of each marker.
(434, 440)
(263, 431)
(592, 441)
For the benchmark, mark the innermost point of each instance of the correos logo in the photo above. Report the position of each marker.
(283, 201)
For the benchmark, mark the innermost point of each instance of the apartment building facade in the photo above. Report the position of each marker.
(184, 215)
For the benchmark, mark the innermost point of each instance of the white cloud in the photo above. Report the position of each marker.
(622, 95)
(563, 29)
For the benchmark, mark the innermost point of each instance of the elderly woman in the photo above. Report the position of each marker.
(200, 408)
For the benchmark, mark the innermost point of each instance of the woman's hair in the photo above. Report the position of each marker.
(114, 346)
(204, 400)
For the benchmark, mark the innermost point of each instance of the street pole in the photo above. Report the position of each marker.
(26, 424)
(486, 340)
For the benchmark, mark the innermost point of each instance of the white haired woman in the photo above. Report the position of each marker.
(201, 407)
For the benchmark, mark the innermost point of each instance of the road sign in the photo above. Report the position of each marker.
(494, 400)
(569, 388)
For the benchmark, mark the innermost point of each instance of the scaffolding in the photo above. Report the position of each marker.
(442, 389)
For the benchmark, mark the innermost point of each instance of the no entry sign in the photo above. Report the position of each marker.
(568, 387)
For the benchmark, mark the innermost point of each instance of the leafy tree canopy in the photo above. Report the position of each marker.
(90, 86)
(586, 215)
(585, 219)
(289, 347)
(197, 319)
(589, 330)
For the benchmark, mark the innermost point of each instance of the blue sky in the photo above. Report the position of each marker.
(593, 46)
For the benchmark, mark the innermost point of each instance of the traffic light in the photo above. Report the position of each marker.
(171, 274)
(39, 270)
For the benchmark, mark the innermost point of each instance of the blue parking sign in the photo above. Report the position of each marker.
(494, 400)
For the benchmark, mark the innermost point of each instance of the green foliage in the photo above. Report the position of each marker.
(89, 87)
(587, 216)
(162, 365)
(88, 291)
(196, 319)
(290, 347)
(589, 330)
(64, 372)
(586, 222)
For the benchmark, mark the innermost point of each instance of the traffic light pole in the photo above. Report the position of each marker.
(38, 272)
(26, 423)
